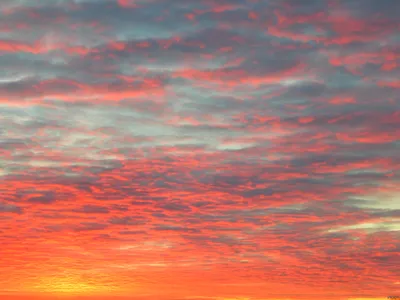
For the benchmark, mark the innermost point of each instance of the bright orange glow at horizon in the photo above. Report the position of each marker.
(68, 286)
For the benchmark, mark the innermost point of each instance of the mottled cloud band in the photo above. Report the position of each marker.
(203, 149)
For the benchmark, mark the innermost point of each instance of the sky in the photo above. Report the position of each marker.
(199, 149)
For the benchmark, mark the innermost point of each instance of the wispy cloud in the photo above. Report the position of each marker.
(210, 149)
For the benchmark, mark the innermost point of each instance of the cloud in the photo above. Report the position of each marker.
(200, 149)
(9, 208)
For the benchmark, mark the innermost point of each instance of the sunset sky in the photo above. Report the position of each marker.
(199, 149)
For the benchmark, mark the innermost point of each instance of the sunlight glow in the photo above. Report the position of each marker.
(72, 285)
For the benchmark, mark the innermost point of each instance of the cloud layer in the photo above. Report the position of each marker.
(200, 149)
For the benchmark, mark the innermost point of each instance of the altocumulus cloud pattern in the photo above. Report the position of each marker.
(200, 149)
